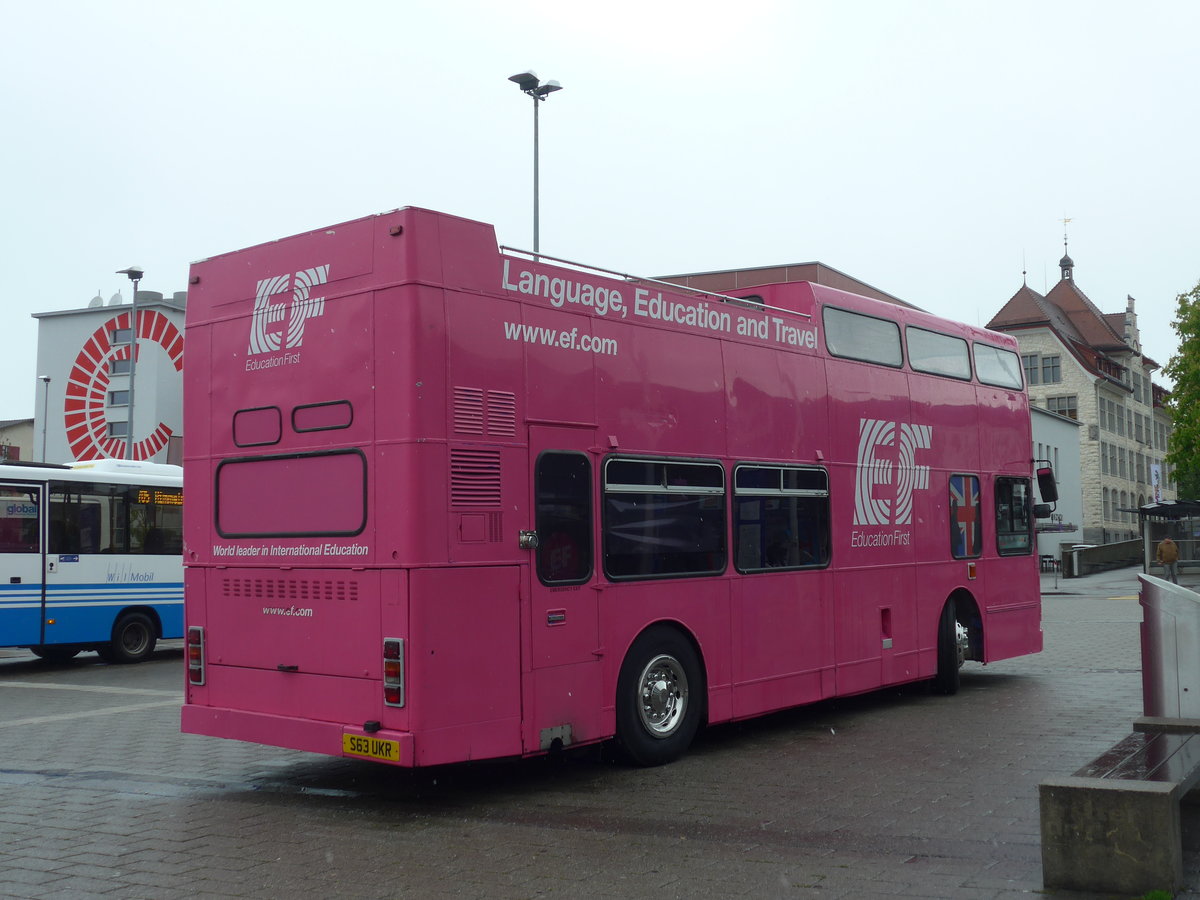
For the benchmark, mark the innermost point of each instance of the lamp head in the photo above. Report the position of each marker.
(526, 81)
(135, 273)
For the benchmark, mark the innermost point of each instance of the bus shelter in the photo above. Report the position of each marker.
(1176, 519)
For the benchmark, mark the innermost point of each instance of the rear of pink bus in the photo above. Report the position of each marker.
(318, 539)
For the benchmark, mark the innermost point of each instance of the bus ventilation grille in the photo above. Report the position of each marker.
(474, 478)
(289, 589)
(485, 412)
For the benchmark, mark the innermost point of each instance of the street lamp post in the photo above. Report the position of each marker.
(45, 380)
(135, 275)
(529, 83)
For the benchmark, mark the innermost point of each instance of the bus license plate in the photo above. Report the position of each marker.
(370, 747)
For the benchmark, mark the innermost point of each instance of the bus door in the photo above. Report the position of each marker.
(564, 596)
(1011, 583)
(22, 562)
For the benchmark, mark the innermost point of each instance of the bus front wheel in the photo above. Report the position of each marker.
(133, 639)
(660, 695)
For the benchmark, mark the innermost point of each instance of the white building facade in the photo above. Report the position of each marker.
(1056, 441)
(1088, 366)
(94, 399)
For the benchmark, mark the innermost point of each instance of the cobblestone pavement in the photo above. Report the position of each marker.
(897, 794)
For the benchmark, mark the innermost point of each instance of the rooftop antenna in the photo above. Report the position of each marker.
(1024, 270)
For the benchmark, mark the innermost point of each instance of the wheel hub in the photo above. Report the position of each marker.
(663, 696)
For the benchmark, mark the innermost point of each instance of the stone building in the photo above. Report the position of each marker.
(1089, 366)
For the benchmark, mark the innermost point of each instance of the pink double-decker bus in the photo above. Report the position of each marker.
(449, 501)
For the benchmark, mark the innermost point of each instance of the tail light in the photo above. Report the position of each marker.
(195, 655)
(393, 671)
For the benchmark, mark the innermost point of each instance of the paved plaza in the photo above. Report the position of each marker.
(896, 794)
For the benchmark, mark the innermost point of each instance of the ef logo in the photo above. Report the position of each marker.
(895, 465)
(267, 333)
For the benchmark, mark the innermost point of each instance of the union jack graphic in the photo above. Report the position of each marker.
(966, 529)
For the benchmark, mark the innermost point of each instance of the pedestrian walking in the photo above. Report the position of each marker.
(1168, 558)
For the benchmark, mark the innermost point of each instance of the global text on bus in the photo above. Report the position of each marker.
(447, 501)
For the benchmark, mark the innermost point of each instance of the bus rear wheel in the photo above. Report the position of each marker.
(52, 653)
(133, 639)
(951, 650)
(660, 693)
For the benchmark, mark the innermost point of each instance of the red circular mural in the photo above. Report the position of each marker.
(85, 407)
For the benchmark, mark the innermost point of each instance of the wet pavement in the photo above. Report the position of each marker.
(895, 794)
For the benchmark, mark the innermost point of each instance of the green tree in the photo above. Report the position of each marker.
(1184, 402)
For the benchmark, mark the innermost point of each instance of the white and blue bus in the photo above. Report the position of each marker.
(91, 558)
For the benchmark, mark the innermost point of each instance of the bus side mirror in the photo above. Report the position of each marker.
(1047, 486)
(1042, 510)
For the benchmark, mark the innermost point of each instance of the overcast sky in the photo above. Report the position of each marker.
(930, 148)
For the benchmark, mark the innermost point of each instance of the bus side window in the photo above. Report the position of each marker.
(563, 517)
(1014, 519)
(156, 521)
(781, 518)
(87, 518)
(663, 518)
(18, 521)
(966, 525)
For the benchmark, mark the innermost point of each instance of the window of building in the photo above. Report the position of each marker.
(119, 366)
(1051, 369)
(1014, 516)
(1103, 458)
(120, 336)
(663, 518)
(1064, 406)
(118, 398)
(781, 517)
(1029, 362)
(118, 429)
(1107, 506)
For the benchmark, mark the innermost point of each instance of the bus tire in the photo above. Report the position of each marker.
(133, 639)
(55, 653)
(660, 696)
(948, 658)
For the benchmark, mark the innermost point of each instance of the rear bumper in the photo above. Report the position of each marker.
(295, 734)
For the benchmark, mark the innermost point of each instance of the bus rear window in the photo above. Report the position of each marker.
(295, 495)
